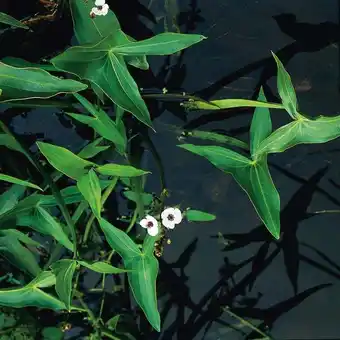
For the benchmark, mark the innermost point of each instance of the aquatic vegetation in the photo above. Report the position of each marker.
(100, 63)
(65, 192)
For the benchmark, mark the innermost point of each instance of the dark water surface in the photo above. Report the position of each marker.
(292, 285)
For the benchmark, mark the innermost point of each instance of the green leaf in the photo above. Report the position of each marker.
(286, 89)
(29, 295)
(217, 137)
(88, 30)
(120, 170)
(12, 249)
(11, 197)
(119, 240)
(261, 125)
(18, 62)
(101, 123)
(126, 181)
(64, 271)
(113, 322)
(121, 128)
(27, 83)
(142, 281)
(144, 270)
(8, 20)
(161, 44)
(93, 149)
(9, 142)
(23, 238)
(136, 61)
(90, 188)
(252, 176)
(45, 279)
(52, 333)
(64, 160)
(199, 216)
(14, 180)
(25, 206)
(149, 244)
(198, 104)
(220, 157)
(301, 131)
(132, 196)
(108, 71)
(102, 267)
(70, 195)
(40, 220)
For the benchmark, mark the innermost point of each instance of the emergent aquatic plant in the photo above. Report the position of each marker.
(100, 62)
(252, 173)
(72, 214)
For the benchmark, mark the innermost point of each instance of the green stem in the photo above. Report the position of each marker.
(103, 287)
(110, 335)
(105, 196)
(93, 320)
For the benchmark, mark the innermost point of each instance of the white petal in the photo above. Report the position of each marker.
(105, 9)
(168, 224)
(95, 11)
(178, 216)
(99, 2)
(166, 212)
(152, 219)
(153, 231)
(144, 223)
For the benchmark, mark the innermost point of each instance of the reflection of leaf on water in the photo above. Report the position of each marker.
(271, 314)
(323, 256)
(292, 214)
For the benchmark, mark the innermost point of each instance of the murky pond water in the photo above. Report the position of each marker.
(291, 286)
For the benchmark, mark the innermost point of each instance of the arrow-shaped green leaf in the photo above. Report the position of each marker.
(119, 170)
(253, 177)
(64, 271)
(64, 160)
(286, 89)
(301, 131)
(8, 20)
(42, 221)
(89, 186)
(12, 249)
(30, 295)
(161, 44)
(15, 180)
(32, 83)
(261, 125)
(143, 267)
(102, 267)
(98, 64)
(100, 122)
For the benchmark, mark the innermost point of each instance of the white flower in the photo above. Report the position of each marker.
(101, 8)
(151, 224)
(171, 217)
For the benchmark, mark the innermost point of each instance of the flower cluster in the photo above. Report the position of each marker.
(170, 217)
(101, 8)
